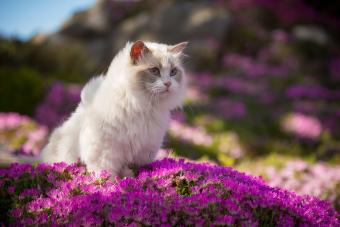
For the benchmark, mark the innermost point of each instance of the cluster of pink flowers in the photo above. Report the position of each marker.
(334, 68)
(231, 108)
(195, 135)
(302, 125)
(195, 95)
(168, 192)
(320, 180)
(21, 134)
(233, 84)
(311, 91)
(254, 67)
(59, 102)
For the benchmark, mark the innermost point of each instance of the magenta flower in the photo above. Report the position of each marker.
(230, 108)
(59, 102)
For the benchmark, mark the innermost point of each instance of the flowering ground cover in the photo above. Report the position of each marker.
(318, 179)
(167, 192)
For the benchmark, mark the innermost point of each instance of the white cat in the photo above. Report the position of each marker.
(123, 116)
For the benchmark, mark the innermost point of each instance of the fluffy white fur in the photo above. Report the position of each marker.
(116, 123)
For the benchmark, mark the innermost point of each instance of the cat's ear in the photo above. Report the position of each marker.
(138, 49)
(178, 48)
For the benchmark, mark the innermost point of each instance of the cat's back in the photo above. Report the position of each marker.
(63, 141)
(90, 89)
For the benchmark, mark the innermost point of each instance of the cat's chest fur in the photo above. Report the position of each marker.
(138, 133)
(145, 127)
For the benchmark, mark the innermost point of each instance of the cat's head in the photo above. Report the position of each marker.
(159, 71)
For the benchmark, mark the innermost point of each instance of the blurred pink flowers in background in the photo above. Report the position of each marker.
(193, 94)
(190, 134)
(231, 108)
(59, 102)
(12, 120)
(256, 67)
(334, 68)
(35, 141)
(302, 125)
(20, 134)
(317, 179)
(311, 91)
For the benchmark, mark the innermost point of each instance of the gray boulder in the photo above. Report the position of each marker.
(104, 28)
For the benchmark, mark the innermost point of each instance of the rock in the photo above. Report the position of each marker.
(204, 25)
(105, 28)
(91, 23)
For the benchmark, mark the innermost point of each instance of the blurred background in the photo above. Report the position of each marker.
(264, 92)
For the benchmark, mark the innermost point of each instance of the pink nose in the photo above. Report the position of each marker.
(167, 83)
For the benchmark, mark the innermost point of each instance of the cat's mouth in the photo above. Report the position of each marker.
(166, 91)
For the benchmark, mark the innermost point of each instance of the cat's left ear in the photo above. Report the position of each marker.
(138, 49)
(178, 48)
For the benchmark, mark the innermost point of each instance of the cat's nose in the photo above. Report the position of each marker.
(167, 83)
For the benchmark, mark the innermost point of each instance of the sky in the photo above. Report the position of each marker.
(24, 18)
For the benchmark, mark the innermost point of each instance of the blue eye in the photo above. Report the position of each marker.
(154, 71)
(173, 72)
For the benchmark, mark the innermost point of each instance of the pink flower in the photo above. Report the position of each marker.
(194, 94)
(190, 134)
(280, 36)
(334, 68)
(178, 116)
(20, 134)
(302, 125)
(59, 102)
(306, 179)
(231, 108)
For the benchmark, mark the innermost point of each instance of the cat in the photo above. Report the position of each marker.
(123, 116)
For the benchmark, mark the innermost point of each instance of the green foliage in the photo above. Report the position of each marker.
(182, 184)
(26, 69)
(6, 205)
(70, 64)
(265, 215)
(20, 89)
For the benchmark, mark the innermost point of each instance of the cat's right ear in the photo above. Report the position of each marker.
(138, 49)
(178, 48)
